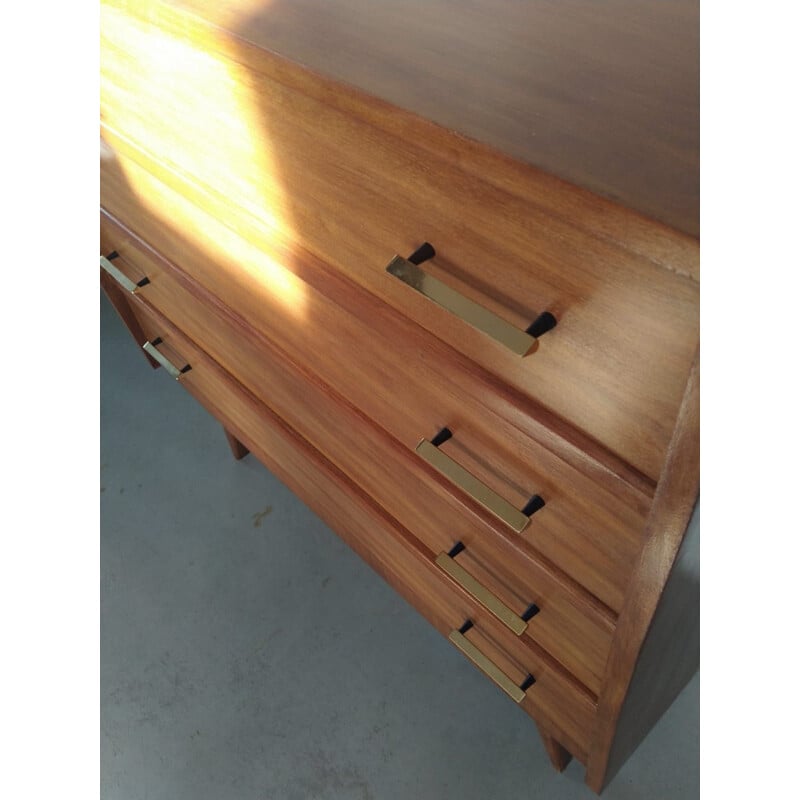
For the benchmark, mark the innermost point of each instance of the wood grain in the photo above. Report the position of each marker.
(586, 531)
(556, 699)
(134, 190)
(670, 655)
(355, 195)
(666, 528)
(270, 160)
(571, 626)
(603, 95)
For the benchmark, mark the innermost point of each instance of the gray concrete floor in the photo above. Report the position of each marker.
(248, 653)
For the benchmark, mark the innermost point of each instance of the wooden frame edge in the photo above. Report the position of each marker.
(673, 505)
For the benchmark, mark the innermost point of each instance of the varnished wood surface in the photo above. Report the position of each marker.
(401, 378)
(570, 626)
(667, 525)
(604, 95)
(670, 655)
(355, 196)
(276, 196)
(135, 189)
(559, 702)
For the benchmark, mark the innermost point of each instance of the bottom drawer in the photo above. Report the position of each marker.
(549, 694)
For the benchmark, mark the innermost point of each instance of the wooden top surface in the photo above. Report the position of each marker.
(601, 93)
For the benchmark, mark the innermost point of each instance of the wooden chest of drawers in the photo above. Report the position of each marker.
(483, 376)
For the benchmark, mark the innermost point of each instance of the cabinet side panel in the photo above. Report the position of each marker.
(668, 525)
(670, 655)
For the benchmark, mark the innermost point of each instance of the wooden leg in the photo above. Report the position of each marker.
(122, 305)
(559, 756)
(237, 448)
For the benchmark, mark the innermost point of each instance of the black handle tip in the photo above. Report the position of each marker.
(441, 437)
(543, 323)
(424, 252)
(533, 505)
(456, 549)
(530, 612)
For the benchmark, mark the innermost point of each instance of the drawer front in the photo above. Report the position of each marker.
(500, 570)
(555, 698)
(288, 165)
(398, 375)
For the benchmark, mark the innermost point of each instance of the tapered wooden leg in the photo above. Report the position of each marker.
(237, 448)
(559, 756)
(122, 304)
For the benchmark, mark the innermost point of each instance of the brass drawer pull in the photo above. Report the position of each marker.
(480, 492)
(519, 342)
(516, 693)
(447, 563)
(120, 277)
(150, 349)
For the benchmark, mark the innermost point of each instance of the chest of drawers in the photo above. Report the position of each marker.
(438, 270)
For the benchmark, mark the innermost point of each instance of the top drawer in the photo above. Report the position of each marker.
(284, 155)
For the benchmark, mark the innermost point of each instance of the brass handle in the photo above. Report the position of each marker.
(519, 342)
(491, 670)
(175, 372)
(479, 491)
(493, 604)
(120, 277)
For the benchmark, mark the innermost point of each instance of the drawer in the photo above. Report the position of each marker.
(555, 698)
(498, 569)
(397, 374)
(285, 158)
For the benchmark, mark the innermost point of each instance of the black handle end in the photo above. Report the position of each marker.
(424, 252)
(543, 323)
(530, 612)
(456, 549)
(441, 437)
(533, 505)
